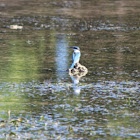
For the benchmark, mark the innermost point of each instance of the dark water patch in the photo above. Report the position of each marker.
(67, 22)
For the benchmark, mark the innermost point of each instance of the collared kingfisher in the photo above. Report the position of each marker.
(75, 56)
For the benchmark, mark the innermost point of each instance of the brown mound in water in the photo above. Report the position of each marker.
(78, 70)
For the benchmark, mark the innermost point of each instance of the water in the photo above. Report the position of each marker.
(38, 98)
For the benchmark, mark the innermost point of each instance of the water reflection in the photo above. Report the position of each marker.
(76, 88)
(61, 56)
(75, 79)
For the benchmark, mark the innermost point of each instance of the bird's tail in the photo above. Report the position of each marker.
(72, 66)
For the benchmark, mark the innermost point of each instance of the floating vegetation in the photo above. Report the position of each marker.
(27, 128)
(16, 27)
(58, 100)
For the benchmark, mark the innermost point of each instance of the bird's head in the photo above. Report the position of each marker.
(75, 48)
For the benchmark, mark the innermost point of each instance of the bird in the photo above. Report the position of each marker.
(75, 56)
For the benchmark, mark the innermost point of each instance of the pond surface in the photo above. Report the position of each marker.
(38, 98)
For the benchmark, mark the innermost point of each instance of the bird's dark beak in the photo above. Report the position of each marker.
(71, 47)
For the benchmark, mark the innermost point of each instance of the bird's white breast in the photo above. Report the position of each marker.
(76, 51)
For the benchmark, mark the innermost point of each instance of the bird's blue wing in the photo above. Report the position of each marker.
(76, 57)
(73, 54)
